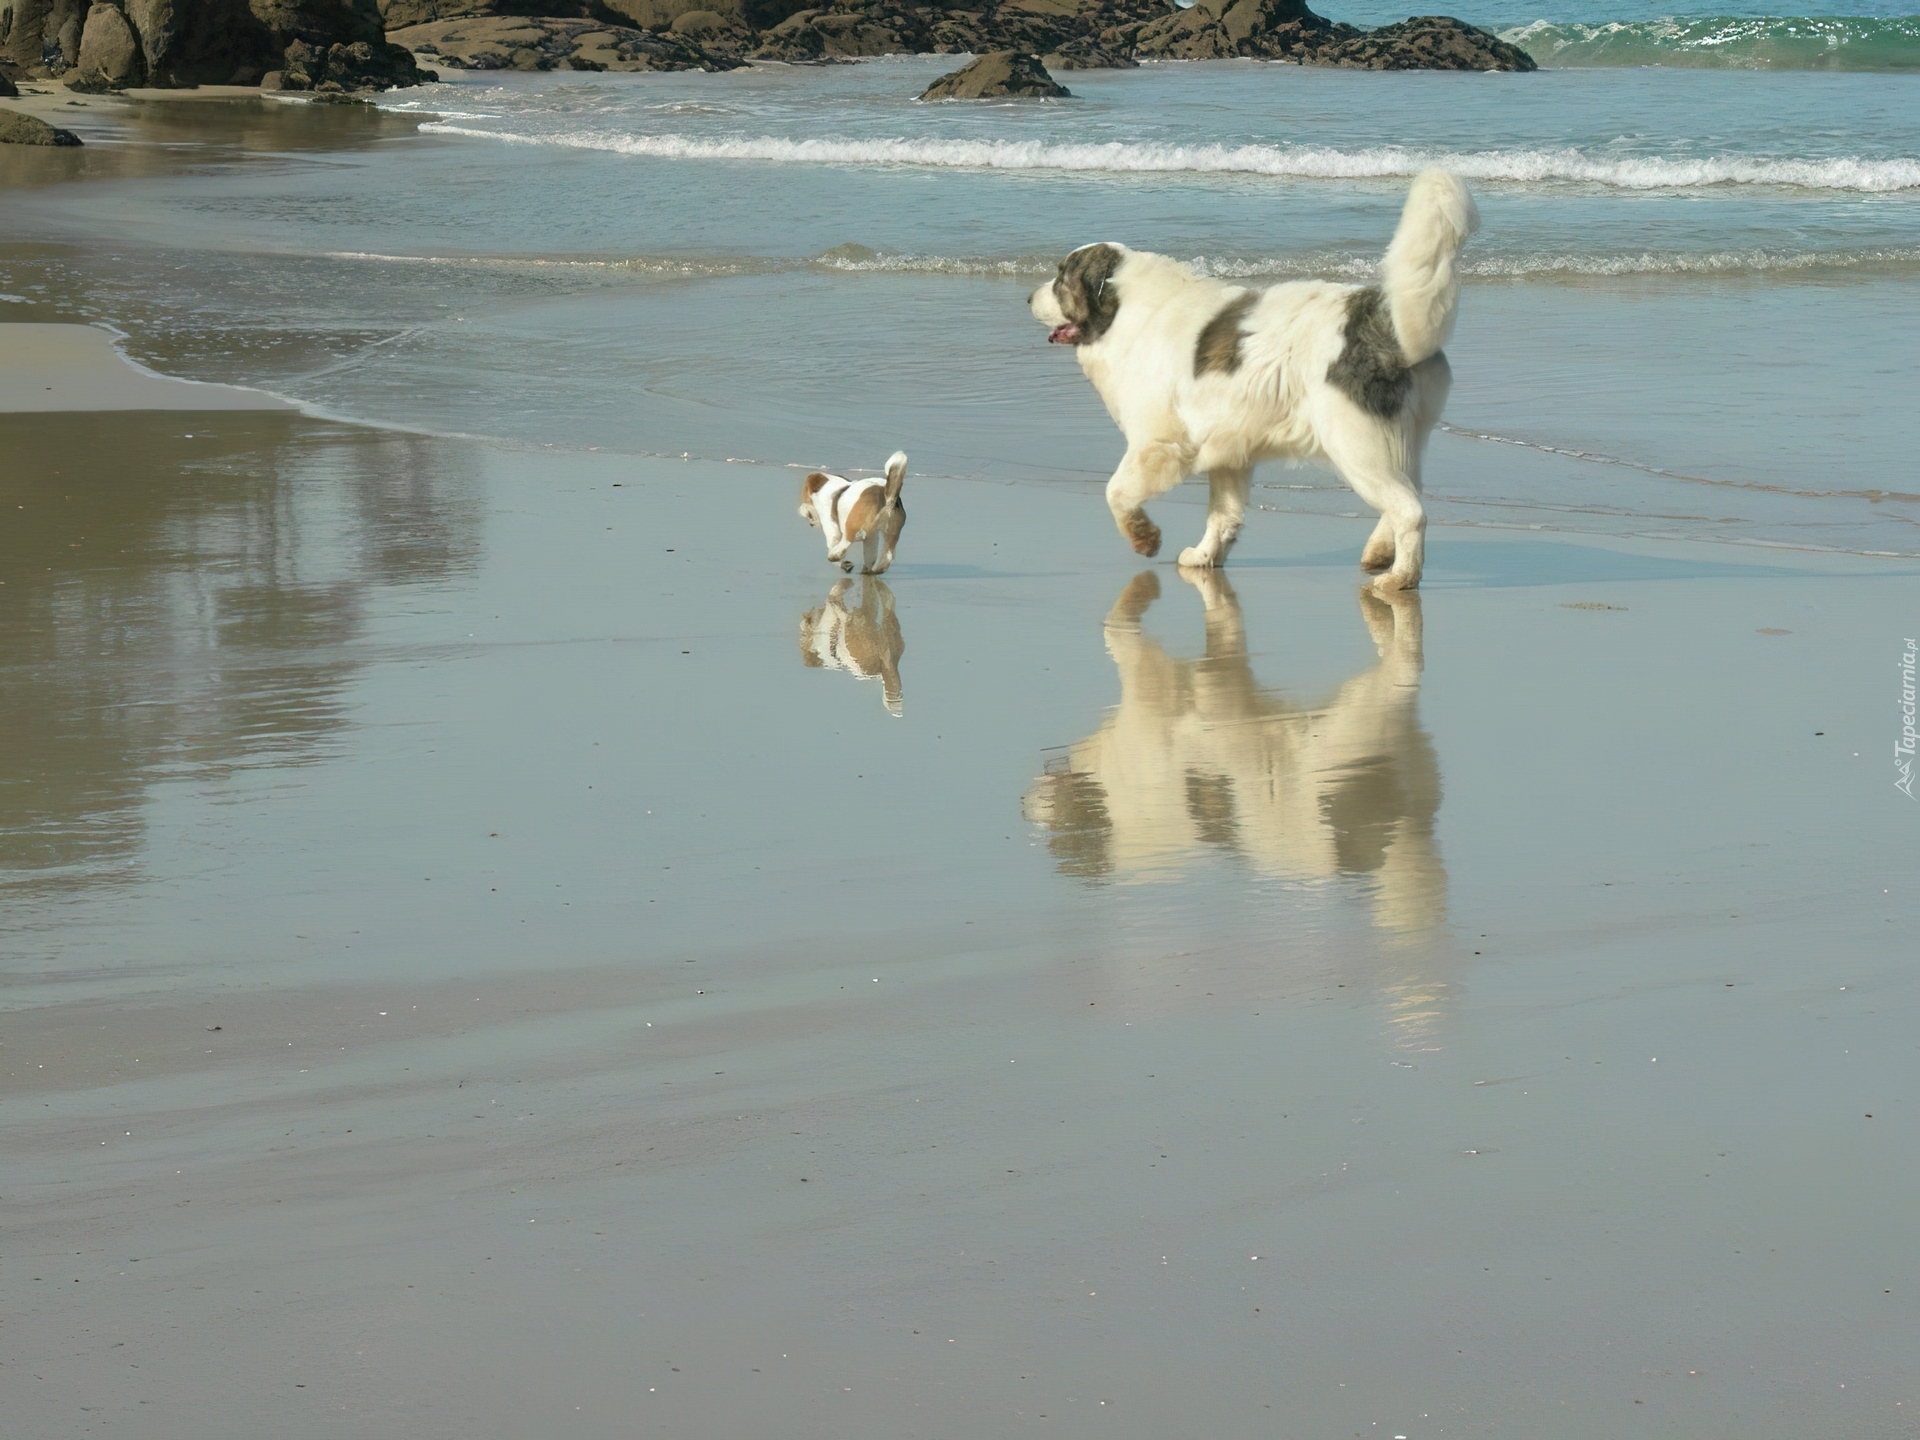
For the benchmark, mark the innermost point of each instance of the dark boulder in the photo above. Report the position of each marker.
(19, 129)
(1431, 42)
(1005, 74)
(362, 65)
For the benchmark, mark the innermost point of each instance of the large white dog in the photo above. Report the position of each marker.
(1203, 375)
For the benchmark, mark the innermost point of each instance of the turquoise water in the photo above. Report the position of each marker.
(1691, 310)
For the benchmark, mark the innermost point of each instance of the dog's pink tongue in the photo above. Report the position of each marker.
(1064, 335)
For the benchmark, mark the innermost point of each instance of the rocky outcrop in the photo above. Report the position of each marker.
(847, 32)
(748, 16)
(497, 43)
(1005, 74)
(110, 57)
(110, 44)
(1288, 30)
(1431, 42)
(18, 129)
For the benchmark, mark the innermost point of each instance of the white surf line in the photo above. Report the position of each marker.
(1651, 172)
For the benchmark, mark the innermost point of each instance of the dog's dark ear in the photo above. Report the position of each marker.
(810, 485)
(1086, 292)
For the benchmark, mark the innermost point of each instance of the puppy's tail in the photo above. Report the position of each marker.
(896, 477)
(1421, 274)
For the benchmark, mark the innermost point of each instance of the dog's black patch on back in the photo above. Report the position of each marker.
(1218, 348)
(1371, 370)
(1086, 298)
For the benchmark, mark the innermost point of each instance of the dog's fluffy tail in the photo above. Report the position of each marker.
(1421, 274)
(896, 477)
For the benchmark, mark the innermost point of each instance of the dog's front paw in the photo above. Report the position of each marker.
(1194, 558)
(1377, 556)
(1145, 536)
(1396, 580)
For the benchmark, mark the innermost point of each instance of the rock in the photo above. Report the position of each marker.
(157, 22)
(1431, 42)
(848, 31)
(19, 129)
(528, 43)
(362, 65)
(8, 90)
(198, 42)
(700, 22)
(1224, 29)
(1002, 75)
(110, 56)
(1088, 55)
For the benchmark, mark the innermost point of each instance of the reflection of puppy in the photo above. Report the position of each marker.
(1198, 755)
(864, 641)
(850, 510)
(1203, 375)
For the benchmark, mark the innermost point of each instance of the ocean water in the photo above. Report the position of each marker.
(1691, 310)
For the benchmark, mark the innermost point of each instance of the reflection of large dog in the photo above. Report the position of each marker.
(1198, 755)
(864, 641)
(1203, 375)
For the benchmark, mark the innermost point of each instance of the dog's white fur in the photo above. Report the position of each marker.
(849, 510)
(1277, 400)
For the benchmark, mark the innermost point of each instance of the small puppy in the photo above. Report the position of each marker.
(850, 510)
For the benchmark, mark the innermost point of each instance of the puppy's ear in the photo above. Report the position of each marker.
(810, 486)
(896, 476)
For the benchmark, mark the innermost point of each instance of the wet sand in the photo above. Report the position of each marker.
(76, 367)
(525, 979)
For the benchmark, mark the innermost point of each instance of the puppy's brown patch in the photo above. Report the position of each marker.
(862, 513)
(810, 486)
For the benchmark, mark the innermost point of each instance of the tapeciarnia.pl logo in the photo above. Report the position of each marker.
(1904, 746)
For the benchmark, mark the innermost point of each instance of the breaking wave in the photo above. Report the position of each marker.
(1648, 172)
(1723, 42)
(859, 259)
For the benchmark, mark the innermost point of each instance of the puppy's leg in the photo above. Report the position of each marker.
(1226, 511)
(891, 526)
(1145, 471)
(872, 552)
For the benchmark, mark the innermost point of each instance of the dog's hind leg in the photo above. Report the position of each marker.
(1378, 554)
(1226, 512)
(1145, 471)
(1375, 458)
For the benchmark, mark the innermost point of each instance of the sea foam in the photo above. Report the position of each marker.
(1535, 167)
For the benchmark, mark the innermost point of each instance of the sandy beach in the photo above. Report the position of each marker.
(545, 954)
